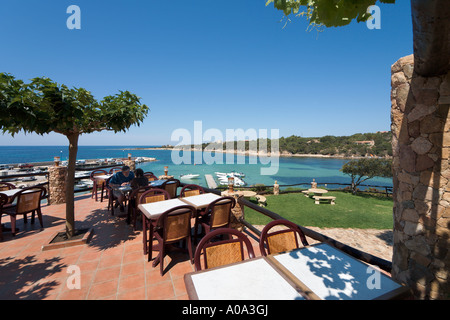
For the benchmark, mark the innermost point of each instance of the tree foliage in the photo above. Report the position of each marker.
(328, 13)
(364, 169)
(43, 106)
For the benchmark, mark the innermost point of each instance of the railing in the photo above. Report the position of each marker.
(363, 256)
(267, 188)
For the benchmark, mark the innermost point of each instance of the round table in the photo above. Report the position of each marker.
(317, 191)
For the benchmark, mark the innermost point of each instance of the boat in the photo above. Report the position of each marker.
(32, 178)
(238, 174)
(189, 176)
(223, 180)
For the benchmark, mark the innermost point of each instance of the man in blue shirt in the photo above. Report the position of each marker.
(120, 179)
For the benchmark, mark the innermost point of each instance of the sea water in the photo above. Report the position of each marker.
(291, 170)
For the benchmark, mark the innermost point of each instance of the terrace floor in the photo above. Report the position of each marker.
(112, 264)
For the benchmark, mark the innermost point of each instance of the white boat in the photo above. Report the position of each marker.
(189, 176)
(82, 174)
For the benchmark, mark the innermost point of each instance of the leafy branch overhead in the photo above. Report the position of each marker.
(43, 106)
(328, 13)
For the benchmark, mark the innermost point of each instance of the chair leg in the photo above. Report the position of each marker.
(1, 231)
(39, 213)
(189, 245)
(144, 233)
(195, 230)
(13, 225)
(161, 259)
(150, 247)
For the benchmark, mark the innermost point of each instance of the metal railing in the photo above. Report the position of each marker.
(268, 188)
(360, 255)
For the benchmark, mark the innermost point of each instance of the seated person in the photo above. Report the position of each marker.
(120, 179)
(139, 180)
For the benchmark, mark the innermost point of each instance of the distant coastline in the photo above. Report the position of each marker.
(261, 154)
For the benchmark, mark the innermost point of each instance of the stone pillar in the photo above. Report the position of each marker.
(237, 211)
(57, 184)
(421, 173)
(276, 188)
(164, 177)
(131, 164)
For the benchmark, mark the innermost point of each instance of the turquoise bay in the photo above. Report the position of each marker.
(291, 170)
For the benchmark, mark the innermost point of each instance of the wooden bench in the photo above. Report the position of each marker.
(329, 199)
(261, 200)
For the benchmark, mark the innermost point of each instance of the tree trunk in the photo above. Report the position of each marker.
(70, 183)
(431, 41)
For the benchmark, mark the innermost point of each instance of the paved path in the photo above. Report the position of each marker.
(373, 241)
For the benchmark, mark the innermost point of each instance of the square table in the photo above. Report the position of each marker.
(200, 201)
(157, 183)
(253, 279)
(103, 177)
(153, 210)
(331, 274)
(11, 192)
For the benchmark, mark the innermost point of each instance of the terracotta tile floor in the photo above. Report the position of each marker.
(111, 265)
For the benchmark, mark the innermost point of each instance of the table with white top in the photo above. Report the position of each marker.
(154, 209)
(201, 201)
(11, 192)
(103, 176)
(317, 272)
(330, 274)
(253, 279)
(157, 183)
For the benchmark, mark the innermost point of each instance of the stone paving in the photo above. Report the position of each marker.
(112, 264)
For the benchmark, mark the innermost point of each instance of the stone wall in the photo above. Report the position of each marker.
(57, 184)
(421, 174)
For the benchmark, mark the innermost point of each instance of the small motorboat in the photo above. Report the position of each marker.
(189, 176)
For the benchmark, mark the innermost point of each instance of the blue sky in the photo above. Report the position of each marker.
(230, 64)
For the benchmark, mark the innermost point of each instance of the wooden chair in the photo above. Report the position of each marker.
(28, 201)
(190, 190)
(219, 253)
(171, 187)
(150, 176)
(172, 226)
(133, 200)
(98, 184)
(110, 195)
(216, 215)
(3, 201)
(6, 186)
(281, 240)
(152, 195)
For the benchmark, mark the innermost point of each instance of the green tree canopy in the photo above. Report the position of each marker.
(329, 13)
(43, 106)
(364, 169)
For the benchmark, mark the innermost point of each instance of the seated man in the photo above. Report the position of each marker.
(119, 179)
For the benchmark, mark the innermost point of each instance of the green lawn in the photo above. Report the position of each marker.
(350, 211)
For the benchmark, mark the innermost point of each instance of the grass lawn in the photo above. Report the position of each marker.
(350, 211)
